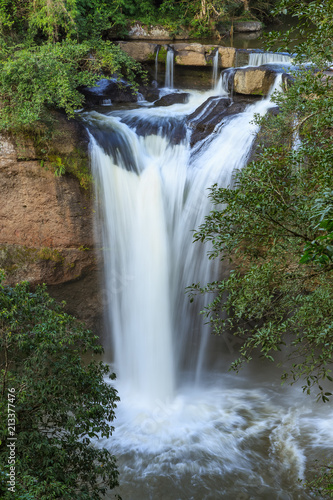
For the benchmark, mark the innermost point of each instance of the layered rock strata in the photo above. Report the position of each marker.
(46, 221)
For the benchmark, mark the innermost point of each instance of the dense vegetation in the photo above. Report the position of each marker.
(52, 401)
(276, 226)
(49, 48)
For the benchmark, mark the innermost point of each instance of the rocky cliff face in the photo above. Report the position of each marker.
(46, 222)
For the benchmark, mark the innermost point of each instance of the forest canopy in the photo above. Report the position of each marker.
(54, 400)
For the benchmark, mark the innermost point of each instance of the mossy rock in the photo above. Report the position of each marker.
(14, 258)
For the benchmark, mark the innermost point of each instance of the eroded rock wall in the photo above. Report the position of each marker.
(46, 222)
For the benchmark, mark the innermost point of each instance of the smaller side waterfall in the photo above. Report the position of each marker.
(215, 69)
(225, 84)
(156, 62)
(107, 102)
(259, 58)
(169, 69)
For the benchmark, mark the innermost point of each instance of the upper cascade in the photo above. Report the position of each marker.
(261, 58)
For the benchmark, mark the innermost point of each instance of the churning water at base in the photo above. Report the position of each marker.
(184, 430)
(230, 438)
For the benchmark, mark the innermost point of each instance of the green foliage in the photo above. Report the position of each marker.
(96, 17)
(61, 402)
(320, 250)
(53, 18)
(315, 26)
(276, 227)
(32, 79)
(49, 48)
(322, 484)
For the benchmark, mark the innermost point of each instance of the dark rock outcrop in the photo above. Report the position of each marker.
(175, 98)
(115, 90)
(211, 114)
(151, 94)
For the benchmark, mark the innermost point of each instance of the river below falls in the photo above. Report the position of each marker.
(186, 428)
(230, 436)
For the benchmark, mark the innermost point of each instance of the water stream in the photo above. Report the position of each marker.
(169, 69)
(260, 58)
(156, 62)
(215, 68)
(186, 428)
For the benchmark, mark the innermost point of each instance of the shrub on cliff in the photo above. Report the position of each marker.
(53, 403)
(33, 79)
(47, 52)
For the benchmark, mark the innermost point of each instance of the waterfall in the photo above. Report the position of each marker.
(185, 428)
(225, 83)
(156, 62)
(215, 69)
(107, 102)
(153, 193)
(260, 58)
(169, 69)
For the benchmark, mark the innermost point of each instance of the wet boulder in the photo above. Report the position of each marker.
(254, 80)
(205, 119)
(175, 98)
(116, 90)
(211, 108)
(151, 94)
(190, 54)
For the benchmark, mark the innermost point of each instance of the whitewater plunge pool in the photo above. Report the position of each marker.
(186, 428)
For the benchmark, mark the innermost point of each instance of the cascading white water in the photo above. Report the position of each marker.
(215, 69)
(169, 69)
(260, 58)
(137, 267)
(224, 84)
(156, 62)
(181, 430)
(153, 194)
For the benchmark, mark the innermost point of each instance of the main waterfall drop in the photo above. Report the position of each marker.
(184, 427)
(153, 190)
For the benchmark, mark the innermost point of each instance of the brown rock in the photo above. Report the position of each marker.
(228, 56)
(189, 47)
(46, 226)
(246, 26)
(190, 54)
(139, 31)
(190, 59)
(254, 81)
(140, 51)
